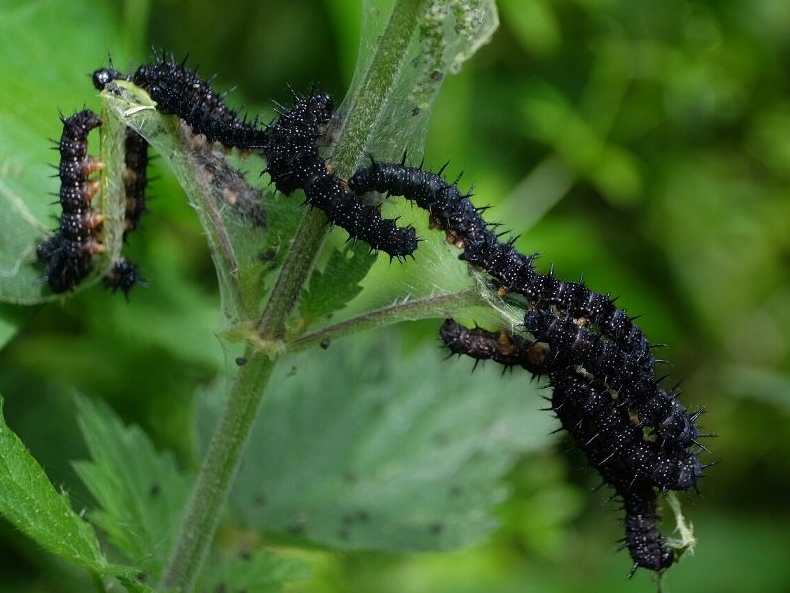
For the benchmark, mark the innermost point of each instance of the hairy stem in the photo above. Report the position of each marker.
(411, 309)
(371, 99)
(217, 473)
(294, 274)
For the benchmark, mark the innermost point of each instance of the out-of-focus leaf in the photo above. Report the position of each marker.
(367, 447)
(141, 493)
(259, 572)
(533, 23)
(548, 116)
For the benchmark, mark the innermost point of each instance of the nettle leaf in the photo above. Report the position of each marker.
(141, 493)
(258, 572)
(32, 505)
(368, 447)
(334, 286)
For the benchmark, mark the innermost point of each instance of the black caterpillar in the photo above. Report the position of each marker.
(135, 179)
(67, 256)
(452, 211)
(293, 161)
(603, 428)
(575, 345)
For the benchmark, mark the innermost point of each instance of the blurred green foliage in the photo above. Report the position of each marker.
(646, 145)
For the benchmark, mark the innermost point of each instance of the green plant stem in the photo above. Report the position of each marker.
(294, 274)
(370, 100)
(226, 447)
(411, 310)
(217, 472)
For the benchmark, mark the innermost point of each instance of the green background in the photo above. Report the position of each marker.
(645, 145)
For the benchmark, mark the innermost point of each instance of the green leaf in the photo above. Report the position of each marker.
(141, 493)
(534, 25)
(366, 447)
(258, 572)
(31, 504)
(331, 288)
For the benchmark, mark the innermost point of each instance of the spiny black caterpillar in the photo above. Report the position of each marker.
(68, 255)
(294, 162)
(637, 465)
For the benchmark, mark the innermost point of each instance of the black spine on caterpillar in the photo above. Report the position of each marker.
(643, 539)
(574, 345)
(67, 256)
(452, 211)
(294, 162)
(180, 91)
